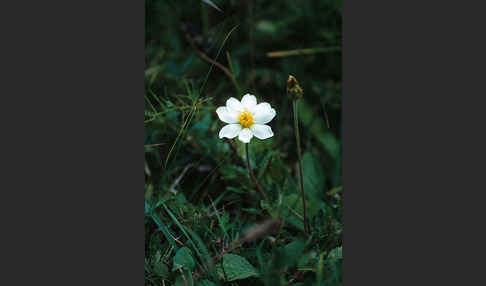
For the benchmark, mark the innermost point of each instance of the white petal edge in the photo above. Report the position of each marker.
(261, 131)
(263, 113)
(234, 104)
(259, 107)
(249, 101)
(226, 115)
(230, 131)
(245, 135)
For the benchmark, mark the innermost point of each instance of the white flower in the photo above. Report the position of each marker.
(246, 118)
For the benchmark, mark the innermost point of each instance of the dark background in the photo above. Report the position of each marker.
(72, 200)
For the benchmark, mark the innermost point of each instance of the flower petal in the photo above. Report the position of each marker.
(249, 101)
(263, 113)
(245, 135)
(261, 131)
(234, 104)
(230, 131)
(226, 115)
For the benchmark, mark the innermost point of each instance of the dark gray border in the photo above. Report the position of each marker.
(72, 149)
(72, 179)
(413, 153)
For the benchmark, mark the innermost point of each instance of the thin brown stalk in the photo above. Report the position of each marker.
(296, 92)
(299, 152)
(203, 56)
(153, 145)
(252, 176)
(232, 145)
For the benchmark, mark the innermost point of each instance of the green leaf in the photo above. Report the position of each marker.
(292, 204)
(313, 176)
(317, 127)
(183, 259)
(333, 262)
(161, 225)
(161, 269)
(236, 190)
(147, 208)
(336, 253)
(205, 282)
(236, 267)
(307, 260)
(293, 251)
(188, 277)
(205, 257)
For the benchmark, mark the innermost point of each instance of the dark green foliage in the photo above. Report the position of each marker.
(202, 212)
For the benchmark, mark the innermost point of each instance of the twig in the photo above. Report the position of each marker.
(208, 59)
(153, 145)
(176, 239)
(278, 54)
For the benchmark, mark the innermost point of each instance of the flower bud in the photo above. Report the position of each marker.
(293, 88)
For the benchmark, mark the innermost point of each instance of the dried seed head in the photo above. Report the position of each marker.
(294, 88)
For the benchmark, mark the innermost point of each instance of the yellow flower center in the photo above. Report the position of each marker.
(246, 119)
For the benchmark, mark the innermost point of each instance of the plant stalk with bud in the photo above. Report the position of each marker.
(295, 91)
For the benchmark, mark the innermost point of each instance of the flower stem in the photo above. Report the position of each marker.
(252, 176)
(297, 137)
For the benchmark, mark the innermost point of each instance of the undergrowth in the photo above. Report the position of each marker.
(205, 222)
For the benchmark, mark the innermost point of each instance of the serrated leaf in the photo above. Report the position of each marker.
(183, 259)
(229, 172)
(236, 267)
